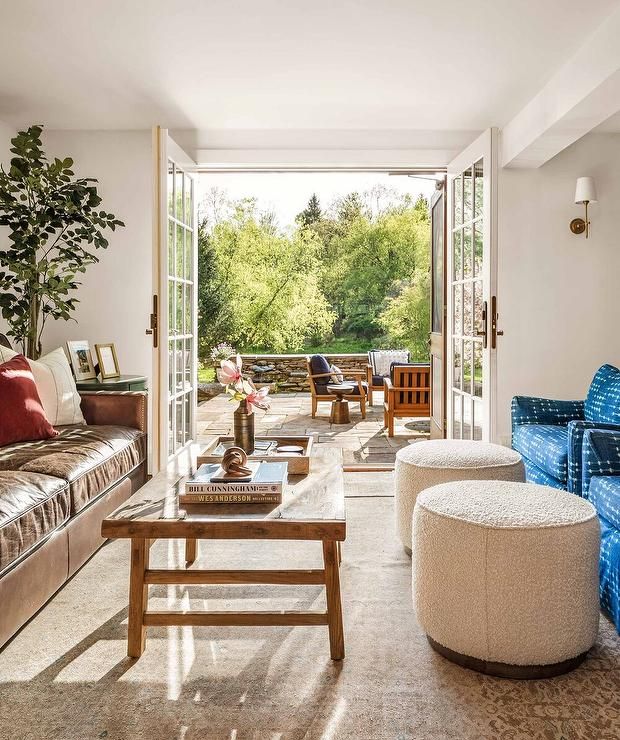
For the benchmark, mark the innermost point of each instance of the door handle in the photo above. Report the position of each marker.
(153, 323)
(483, 333)
(495, 332)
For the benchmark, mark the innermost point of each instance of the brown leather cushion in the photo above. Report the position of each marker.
(89, 458)
(31, 506)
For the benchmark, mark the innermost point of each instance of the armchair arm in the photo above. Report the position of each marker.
(388, 390)
(600, 454)
(576, 471)
(344, 373)
(530, 410)
(320, 375)
(119, 408)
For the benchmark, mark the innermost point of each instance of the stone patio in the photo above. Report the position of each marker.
(363, 441)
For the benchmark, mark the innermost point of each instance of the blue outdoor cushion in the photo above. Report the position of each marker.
(604, 494)
(318, 365)
(546, 445)
(603, 401)
(356, 388)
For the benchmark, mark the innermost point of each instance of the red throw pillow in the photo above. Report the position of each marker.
(22, 416)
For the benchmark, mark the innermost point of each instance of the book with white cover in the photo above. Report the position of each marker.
(209, 484)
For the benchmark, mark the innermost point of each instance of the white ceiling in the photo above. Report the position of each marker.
(610, 126)
(219, 69)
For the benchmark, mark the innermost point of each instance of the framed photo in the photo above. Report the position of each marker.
(108, 362)
(81, 359)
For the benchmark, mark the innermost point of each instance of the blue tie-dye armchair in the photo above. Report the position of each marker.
(549, 434)
(601, 486)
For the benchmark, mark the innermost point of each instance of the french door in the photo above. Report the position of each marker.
(438, 314)
(471, 281)
(177, 298)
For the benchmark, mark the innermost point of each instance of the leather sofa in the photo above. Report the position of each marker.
(54, 494)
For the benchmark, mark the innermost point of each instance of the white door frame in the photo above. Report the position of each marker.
(167, 150)
(484, 147)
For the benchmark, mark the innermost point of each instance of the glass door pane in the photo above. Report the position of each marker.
(181, 320)
(470, 273)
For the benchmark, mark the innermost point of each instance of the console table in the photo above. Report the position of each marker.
(122, 383)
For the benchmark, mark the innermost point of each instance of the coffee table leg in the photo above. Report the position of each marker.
(334, 606)
(191, 549)
(138, 597)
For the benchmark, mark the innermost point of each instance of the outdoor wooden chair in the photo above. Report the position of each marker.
(378, 367)
(319, 382)
(407, 394)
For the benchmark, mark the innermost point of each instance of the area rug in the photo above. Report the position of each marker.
(66, 675)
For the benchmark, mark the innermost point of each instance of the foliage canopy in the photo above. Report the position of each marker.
(356, 271)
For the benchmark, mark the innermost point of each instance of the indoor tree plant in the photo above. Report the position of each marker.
(55, 227)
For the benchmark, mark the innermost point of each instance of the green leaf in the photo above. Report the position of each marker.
(45, 207)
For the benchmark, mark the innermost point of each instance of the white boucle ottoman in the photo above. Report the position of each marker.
(425, 464)
(505, 576)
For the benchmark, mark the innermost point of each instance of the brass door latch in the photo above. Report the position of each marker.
(153, 323)
(495, 332)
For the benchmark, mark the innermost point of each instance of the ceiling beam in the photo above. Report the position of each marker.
(579, 97)
(319, 159)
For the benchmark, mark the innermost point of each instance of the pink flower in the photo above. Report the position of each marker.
(229, 372)
(259, 399)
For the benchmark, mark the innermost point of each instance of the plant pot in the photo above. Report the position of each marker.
(244, 427)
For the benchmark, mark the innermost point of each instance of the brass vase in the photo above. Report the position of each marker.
(244, 427)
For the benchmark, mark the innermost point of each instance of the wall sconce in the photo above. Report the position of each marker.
(585, 193)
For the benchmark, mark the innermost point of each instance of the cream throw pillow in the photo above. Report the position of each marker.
(56, 386)
(337, 376)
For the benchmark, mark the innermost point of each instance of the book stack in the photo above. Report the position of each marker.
(212, 485)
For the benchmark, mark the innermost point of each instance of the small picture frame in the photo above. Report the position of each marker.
(108, 361)
(81, 359)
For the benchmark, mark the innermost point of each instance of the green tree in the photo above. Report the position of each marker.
(56, 226)
(214, 305)
(312, 213)
(357, 272)
(406, 317)
(274, 301)
(369, 258)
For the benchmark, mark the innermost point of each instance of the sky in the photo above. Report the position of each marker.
(287, 193)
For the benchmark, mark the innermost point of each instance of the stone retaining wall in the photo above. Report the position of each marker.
(288, 373)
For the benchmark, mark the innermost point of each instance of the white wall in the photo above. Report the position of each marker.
(558, 293)
(115, 295)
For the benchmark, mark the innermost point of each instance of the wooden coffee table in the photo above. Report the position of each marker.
(312, 509)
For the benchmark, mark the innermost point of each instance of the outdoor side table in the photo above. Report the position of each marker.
(340, 405)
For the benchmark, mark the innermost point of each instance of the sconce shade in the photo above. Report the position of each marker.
(585, 190)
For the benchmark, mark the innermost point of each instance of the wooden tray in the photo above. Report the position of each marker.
(297, 464)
